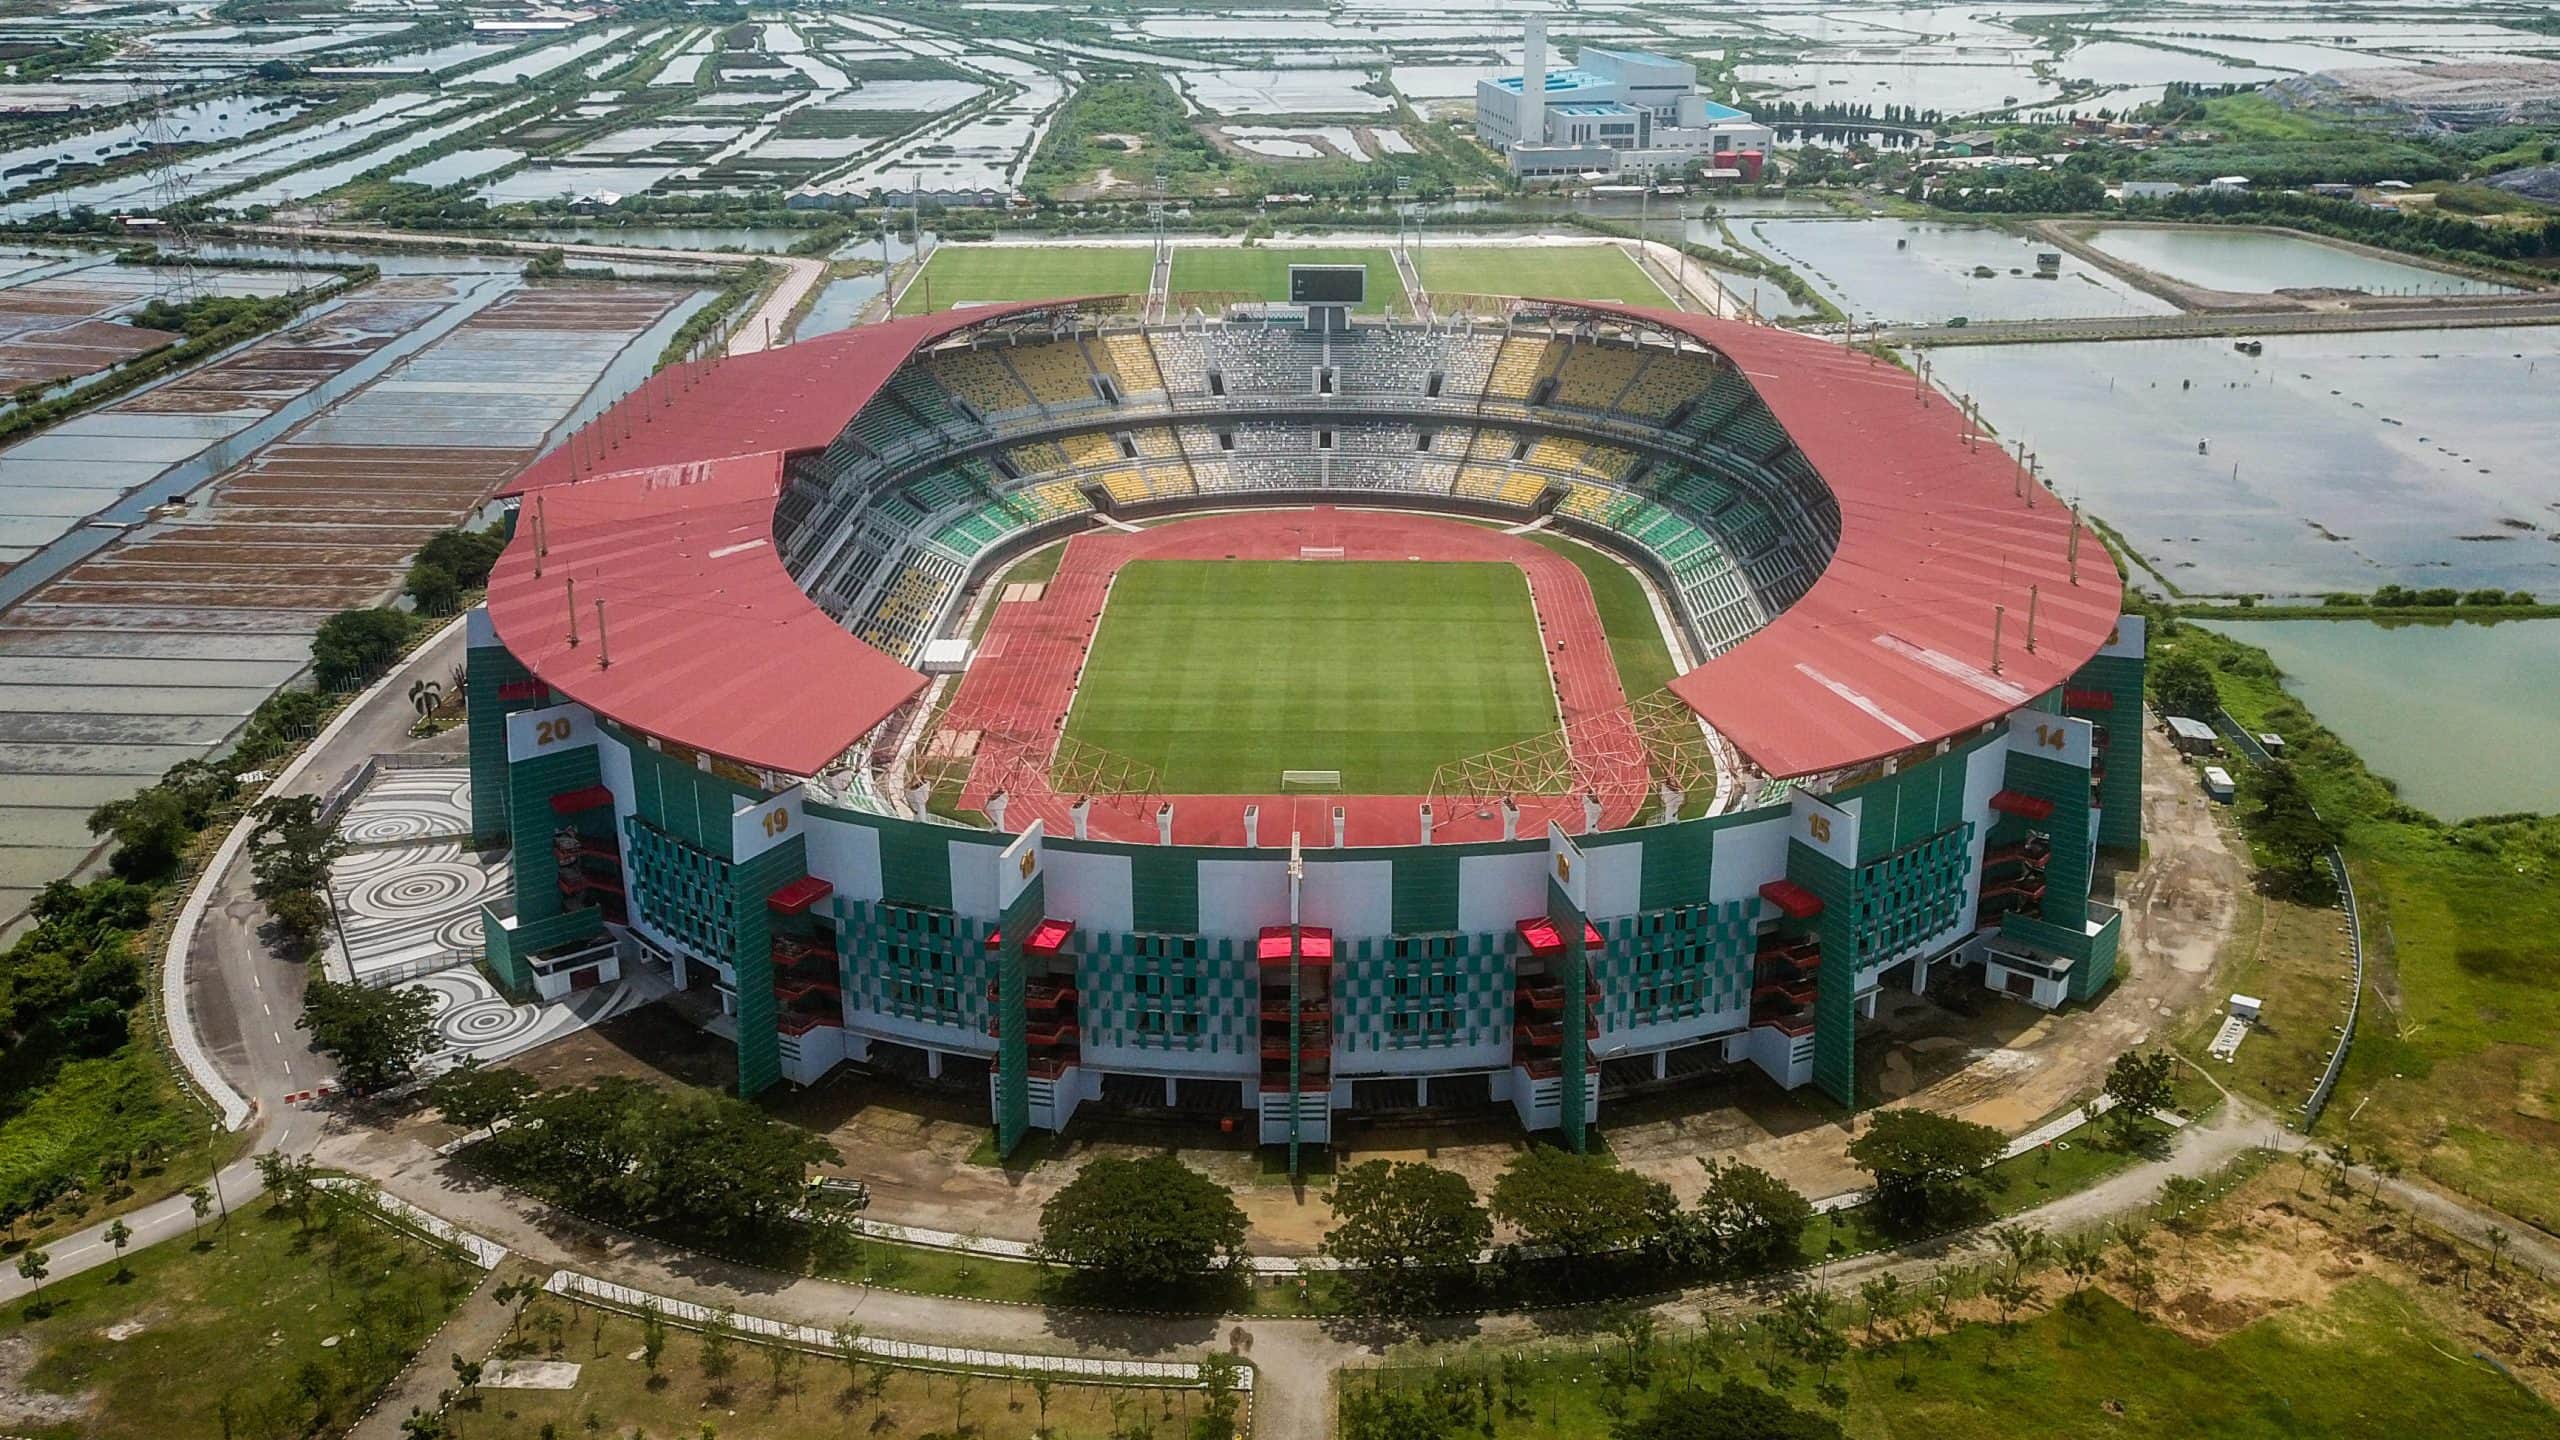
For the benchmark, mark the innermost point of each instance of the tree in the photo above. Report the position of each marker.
(2141, 1282)
(35, 1263)
(290, 851)
(466, 1375)
(199, 1205)
(1738, 1411)
(432, 589)
(1221, 1377)
(2182, 684)
(2023, 1244)
(1749, 1218)
(477, 1097)
(151, 831)
(847, 1340)
(119, 1235)
(1578, 1205)
(2288, 828)
(1151, 1223)
(2140, 1082)
(376, 1036)
(467, 555)
(1041, 1385)
(1885, 1300)
(719, 1330)
(2084, 1258)
(1391, 1219)
(653, 1338)
(1926, 1167)
(353, 646)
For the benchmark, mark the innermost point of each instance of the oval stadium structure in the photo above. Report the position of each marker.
(1328, 766)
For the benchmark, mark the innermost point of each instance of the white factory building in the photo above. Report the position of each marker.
(1614, 112)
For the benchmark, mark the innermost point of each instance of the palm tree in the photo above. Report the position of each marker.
(119, 1235)
(2498, 1240)
(425, 696)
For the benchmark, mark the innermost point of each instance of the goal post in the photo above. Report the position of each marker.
(1294, 782)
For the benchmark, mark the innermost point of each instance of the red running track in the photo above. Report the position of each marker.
(1018, 688)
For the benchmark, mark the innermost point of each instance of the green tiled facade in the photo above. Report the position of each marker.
(923, 965)
(1676, 964)
(1911, 894)
(1013, 1045)
(485, 670)
(2119, 677)
(1180, 994)
(751, 883)
(684, 892)
(2066, 870)
(1422, 992)
(1572, 970)
(1835, 1001)
(530, 786)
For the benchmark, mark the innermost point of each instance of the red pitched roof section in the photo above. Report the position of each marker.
(1794, 900)
(2022, 805)
(670, 523)
(796, 897)
(1891, 647)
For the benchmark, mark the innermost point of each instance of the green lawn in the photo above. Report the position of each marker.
(1556, 272)
(975, 274)
(1224, 673)
(2365, 1362)
(1264, 271)
(235, 1325)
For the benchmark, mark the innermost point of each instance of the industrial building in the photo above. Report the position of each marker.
(1615, 112)
(1910, 708)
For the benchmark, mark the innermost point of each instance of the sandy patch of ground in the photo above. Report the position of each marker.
(22, 1406)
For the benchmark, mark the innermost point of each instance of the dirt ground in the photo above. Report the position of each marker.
(20, 1405)
(1961, 1051)
(2283, 1240)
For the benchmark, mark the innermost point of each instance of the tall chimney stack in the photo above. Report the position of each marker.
(1533, 82)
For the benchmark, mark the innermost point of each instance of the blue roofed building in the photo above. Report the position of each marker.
(1612, 112)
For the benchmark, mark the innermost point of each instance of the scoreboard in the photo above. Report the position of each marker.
(1329, 285)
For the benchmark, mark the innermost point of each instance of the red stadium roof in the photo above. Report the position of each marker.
(663, 509)
(1892, 647)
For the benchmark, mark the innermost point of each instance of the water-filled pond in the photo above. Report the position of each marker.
(2399, 692)
(2257, 261)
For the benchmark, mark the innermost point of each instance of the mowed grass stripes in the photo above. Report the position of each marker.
(1223, 673)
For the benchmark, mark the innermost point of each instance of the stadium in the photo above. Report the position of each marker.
(1279, 717)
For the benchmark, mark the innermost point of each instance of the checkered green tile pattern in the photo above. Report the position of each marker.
(915, 963)
(1183, 994)
(1675, 964)
(1911, 894)
(1423, 992)
(684, 892)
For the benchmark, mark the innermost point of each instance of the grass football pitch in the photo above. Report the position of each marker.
(1223, 673)
(981, 274)
(1555, 272)
(1263, 271)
